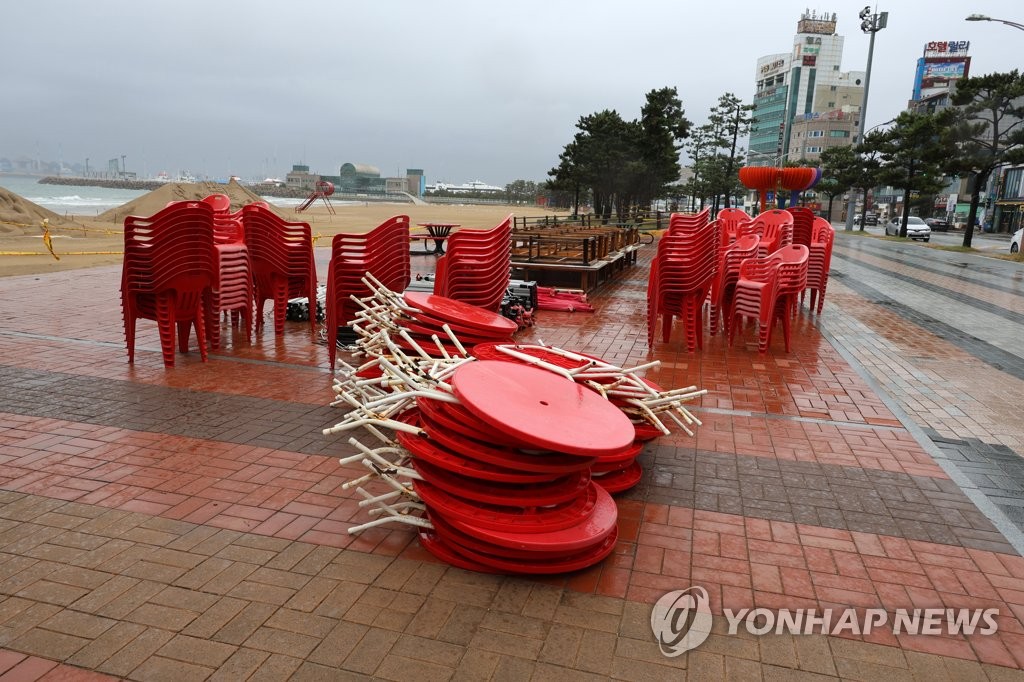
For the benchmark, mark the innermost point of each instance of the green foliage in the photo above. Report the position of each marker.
(730, 120)
(912, 154)
(625, 163)
(522, 191)
(988, 131)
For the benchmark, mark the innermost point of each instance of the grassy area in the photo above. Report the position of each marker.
(1016, 257)
(957, 249)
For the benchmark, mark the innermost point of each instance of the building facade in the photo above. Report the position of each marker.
(805, 81)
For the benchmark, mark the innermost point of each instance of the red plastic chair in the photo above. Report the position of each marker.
(803, 224)
(681, 276)
(233, 288)
(282, 262)
(767, 291)
(730, 220)
(167, 275)
(382, 252)
(775, 227)
(819, 262)
(722, 287)
(477, 266)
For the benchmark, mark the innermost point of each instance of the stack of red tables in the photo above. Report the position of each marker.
(615, 472)
(470, 323)
(506, 470)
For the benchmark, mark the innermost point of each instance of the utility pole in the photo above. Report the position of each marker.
(871, 23)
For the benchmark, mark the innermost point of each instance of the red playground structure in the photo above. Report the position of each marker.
(323, 190)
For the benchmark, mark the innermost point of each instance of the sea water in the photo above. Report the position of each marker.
(67, 199)
(91, 201)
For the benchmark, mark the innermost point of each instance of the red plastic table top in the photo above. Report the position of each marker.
(558, 491)
(464, 443)
(450, 310)
(588, 532)
(433, 543)
(505, 519)
(542, 408)
(622, 480)
(467, 549)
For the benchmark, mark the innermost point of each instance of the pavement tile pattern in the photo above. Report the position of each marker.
(190, 524)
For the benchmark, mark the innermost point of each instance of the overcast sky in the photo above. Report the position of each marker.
(464, 90)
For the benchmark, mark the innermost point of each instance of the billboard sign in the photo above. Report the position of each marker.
(939, 71)
(934, 74)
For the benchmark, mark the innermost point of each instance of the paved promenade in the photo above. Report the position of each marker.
(189, 524)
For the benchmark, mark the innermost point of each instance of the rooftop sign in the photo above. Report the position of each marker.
(946, 47)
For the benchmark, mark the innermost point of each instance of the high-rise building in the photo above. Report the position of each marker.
(794, 86)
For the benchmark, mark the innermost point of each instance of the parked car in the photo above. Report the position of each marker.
(916, 228)
(937, 224)
(1015, 240)
(870, 219)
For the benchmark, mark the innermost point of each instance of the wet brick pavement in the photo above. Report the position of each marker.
(190, 523)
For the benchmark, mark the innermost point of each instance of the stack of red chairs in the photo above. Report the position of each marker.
(819, 261)
(729, 222)
(767, 291)
(168, 274)
(724, 284)
(383, 252)
(803, 224)
(233, 285)
(282, 263)
(775, 227)
(477, 267)
(681, 276)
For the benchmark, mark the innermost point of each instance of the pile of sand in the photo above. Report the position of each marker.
(18, 215)
(151, 203)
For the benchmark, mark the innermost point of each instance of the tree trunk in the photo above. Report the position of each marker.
(864, 210)
(980, 180)
(972, 216)
(906, 213)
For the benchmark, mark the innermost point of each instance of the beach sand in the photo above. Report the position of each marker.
(87, 242)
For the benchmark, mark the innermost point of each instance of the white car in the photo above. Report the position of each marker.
(1015, 240)
(916, 228)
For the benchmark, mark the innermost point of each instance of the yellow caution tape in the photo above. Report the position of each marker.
(47, 239)
(68, 228)
(70, 253)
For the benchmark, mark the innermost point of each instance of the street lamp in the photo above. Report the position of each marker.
(982, 17)
(871, 23)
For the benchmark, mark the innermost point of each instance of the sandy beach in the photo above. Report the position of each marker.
(82, 242)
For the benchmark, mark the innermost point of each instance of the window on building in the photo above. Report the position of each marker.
(839, 133)
(831, 105)
(816, 133)
(812, 150)
(832, 88)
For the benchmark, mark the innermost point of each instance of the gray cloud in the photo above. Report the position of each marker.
(464, 90)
